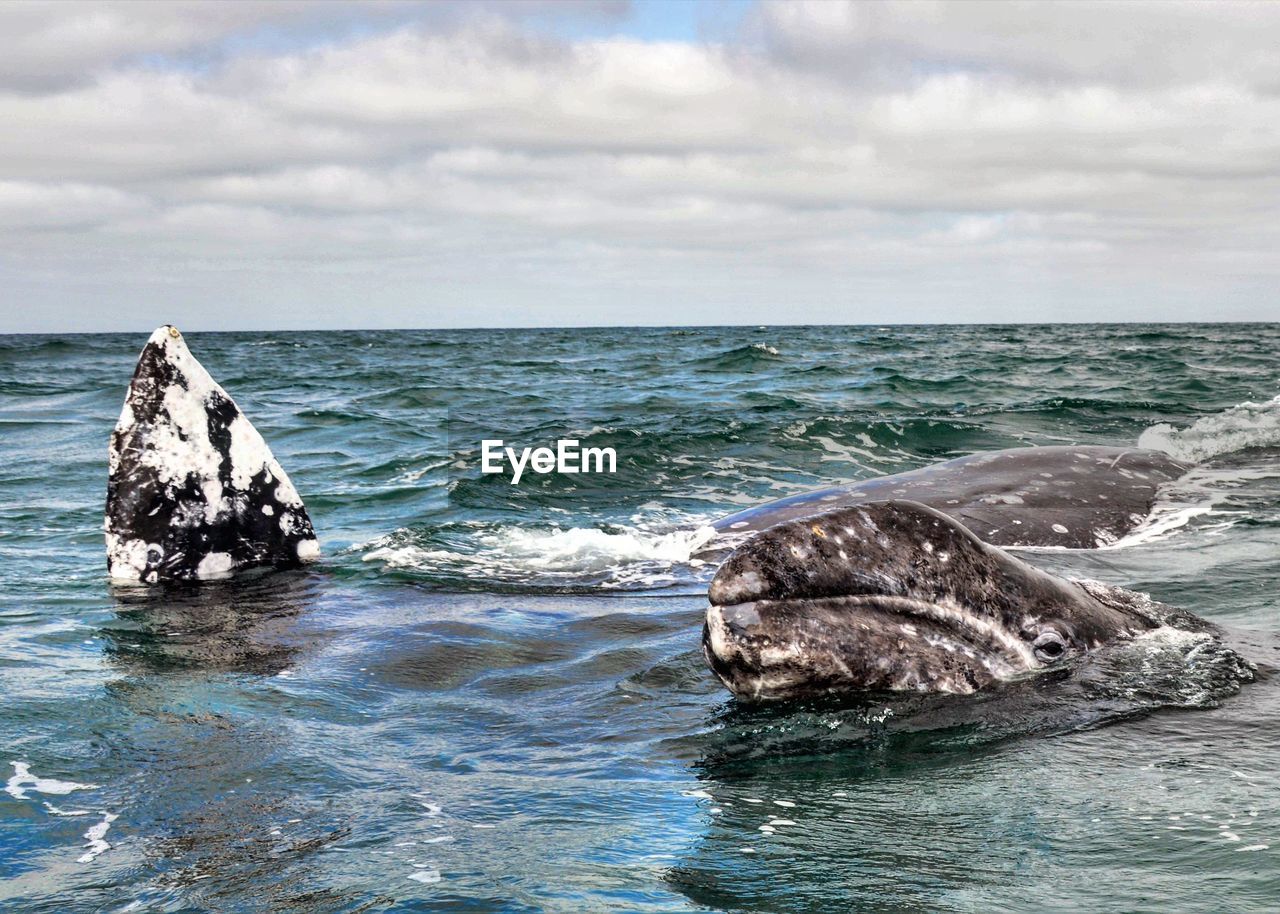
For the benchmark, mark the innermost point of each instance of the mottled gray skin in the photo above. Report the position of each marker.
(892, 596)
(1078, 497)
(193, 491)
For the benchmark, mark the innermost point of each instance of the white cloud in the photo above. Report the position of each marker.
(26, 205)
(1140, 43)
(955, 160)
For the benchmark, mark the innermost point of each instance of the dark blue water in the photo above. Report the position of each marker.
(489, 697)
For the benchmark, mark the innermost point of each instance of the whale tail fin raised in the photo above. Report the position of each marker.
(193, 490)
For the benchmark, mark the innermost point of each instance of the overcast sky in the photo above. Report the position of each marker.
(298, 164)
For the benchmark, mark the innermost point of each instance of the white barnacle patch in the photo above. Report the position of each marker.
(176, 444)
(126, 420)
(214, 565)
(286, 494)
(249, 453)
(737, 588)
(126, 558)
(308, 550)
(214, 503)
(1059, 528)
(718, 633)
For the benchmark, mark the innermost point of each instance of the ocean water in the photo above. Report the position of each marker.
(490, 697)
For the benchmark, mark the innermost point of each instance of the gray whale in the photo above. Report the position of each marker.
(193, 492)
(893, 596)
(1079, 497)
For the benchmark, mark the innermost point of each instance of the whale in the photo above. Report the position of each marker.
(193, 491)
(1077, 497)
(895, 596)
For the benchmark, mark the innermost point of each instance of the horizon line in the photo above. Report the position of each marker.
(468, 328)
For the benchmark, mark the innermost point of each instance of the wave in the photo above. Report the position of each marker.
(1248, 425)
(741, 357)
(552, 558)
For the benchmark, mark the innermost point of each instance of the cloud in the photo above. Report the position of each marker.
(1147, 43)
(281, 162)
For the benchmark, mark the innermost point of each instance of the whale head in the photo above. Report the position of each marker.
(891, 596)
(193, 491)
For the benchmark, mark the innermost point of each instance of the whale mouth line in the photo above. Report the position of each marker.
(795, 646)
(979, 631)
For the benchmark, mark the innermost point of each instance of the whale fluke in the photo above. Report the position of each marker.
(193, 491)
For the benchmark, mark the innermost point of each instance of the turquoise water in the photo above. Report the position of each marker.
(490, 697)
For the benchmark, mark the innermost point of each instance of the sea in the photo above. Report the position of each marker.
(491, 697)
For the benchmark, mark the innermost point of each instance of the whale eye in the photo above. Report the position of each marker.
(1049, 645)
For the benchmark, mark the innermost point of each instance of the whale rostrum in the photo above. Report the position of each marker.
(193, 491)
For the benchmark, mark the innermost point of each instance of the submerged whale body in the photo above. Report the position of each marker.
(193, 491)
(1078, 496)
(893, 596)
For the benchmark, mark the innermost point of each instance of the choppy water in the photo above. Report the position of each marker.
(489, 697)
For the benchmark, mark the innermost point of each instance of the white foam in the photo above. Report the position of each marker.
(1164, 520)
(96, 838)
(625, 555)
(1197, 494)
(55, 811)
(1244, 426)
(23, 780)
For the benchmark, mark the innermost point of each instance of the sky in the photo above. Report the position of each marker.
(298, 164)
